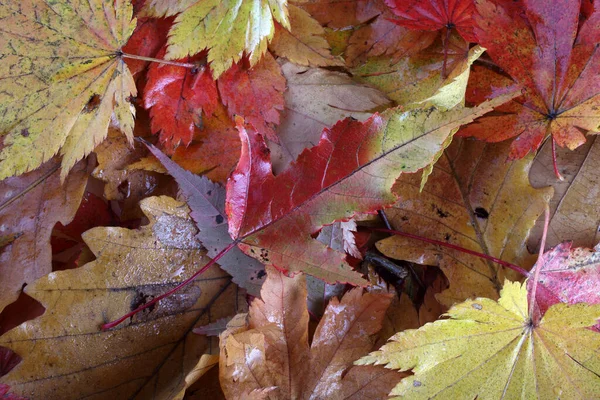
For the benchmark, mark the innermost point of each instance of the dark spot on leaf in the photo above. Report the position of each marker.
(86, 62)
(92, 103)
(447, 237)
(261, 274)
(209, 193)
(441, 213)
(481, 212)
(25, 132)
(219, 219)
(141, 298)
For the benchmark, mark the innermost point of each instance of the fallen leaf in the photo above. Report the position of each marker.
(304, 43)
(178, 100)
(30, 207)
(215, 150)
(575, 211)
(316, 99)
(338, 14)
(228, 29)
(433, 15)
(150, 356)
(149, 36)
(384, 38)
(492, 350)
(62, 64)
(325, 185)
(205, 364)
(207, 202)
(255, 93)
(125, 185)
(273, 350)
(475, 200)
(568, 275)
(418, 77)
(545, 50)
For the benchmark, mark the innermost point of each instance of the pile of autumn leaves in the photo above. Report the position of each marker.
(249, 85)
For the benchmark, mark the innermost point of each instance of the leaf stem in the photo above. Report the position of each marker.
(506, 264)
(554, 161)
(158, 60)
(116, 322)
(538, 263)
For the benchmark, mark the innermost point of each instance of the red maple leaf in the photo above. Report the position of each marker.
(554, 58)
(149, 37)
(255, 93)
(433, 15)
(178, 98)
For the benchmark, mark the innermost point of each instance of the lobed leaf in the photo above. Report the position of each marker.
(64, 353)
(67, 77)
(491, 350)
(325, 184)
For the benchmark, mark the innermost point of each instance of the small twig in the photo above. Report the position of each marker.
(538, 264)
(385, 220)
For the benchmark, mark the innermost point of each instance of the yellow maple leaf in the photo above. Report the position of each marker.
(62, 79)
(491, 350)
(228, 28)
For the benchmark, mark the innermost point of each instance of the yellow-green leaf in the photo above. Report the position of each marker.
(228, 28)
(61, 79)
(489, 350)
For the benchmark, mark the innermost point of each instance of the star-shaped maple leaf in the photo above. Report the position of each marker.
(554, 57)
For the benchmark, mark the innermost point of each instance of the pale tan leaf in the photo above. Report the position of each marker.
(66, 355)
(30, 206)
(304, 43)
(575, 209)
(261, 357)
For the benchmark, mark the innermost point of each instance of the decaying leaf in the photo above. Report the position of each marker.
(30, 206)
(61, 64)
(575, 210)
(228, 29)
(475, 200)
(65, 355)
(491, 350)
(273, 352)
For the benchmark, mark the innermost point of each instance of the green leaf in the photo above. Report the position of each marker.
(228, 28)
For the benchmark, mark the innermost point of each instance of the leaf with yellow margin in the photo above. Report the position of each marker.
(228, 28)
(490, 350)
(61, 79)
(473, 199)
(65, 355)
